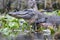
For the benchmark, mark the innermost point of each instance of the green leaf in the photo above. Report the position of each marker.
(58, 13)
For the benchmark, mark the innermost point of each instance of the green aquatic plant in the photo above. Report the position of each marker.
(12, 26)
(58, 13)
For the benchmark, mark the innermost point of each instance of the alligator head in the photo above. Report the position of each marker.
(25, 14)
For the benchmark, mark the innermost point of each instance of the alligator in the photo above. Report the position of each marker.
(36, 17)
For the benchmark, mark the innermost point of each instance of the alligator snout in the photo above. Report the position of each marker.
(10, 13)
